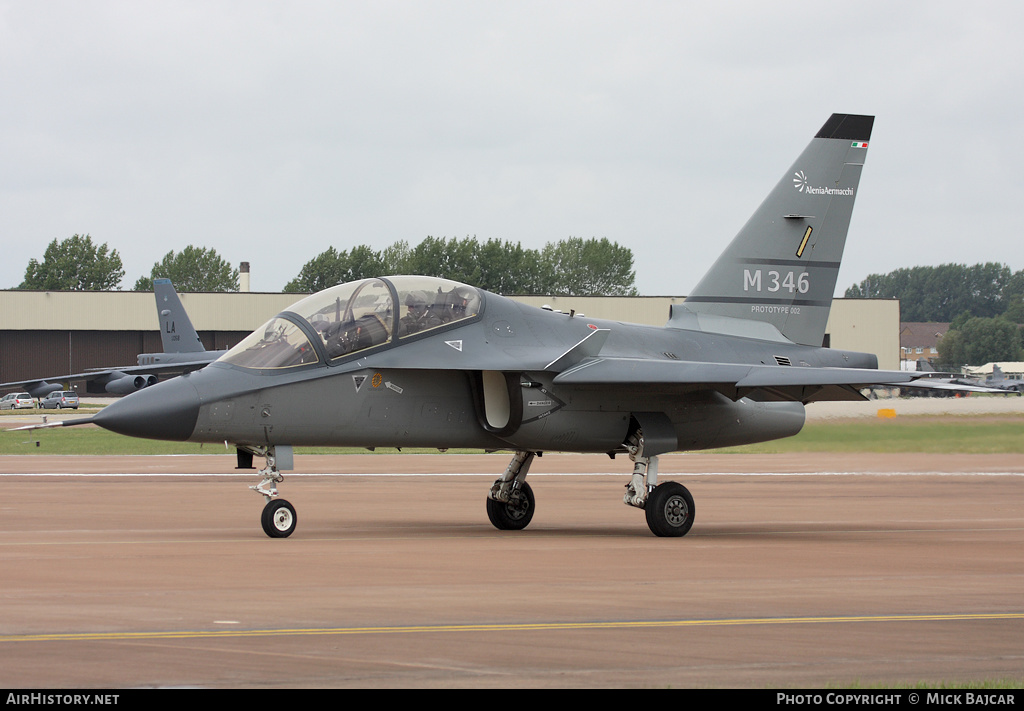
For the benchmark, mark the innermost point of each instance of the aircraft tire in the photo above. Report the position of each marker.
(278, 519)
(669, 510)
(514, 515)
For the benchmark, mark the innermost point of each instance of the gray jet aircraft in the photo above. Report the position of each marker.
(1000, 381)
(183, 351)
(412, 361)
(942, 384)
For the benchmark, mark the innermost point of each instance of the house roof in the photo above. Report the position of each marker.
(921, 334)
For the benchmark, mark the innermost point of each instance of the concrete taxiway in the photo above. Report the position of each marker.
(800, 571)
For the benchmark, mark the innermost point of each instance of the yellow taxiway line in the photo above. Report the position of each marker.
(497, 627)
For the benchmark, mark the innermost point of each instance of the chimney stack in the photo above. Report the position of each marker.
(243, 277)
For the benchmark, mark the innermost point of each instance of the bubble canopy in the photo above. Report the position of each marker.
(353, 317)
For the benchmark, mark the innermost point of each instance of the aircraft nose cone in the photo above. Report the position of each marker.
(167, 410)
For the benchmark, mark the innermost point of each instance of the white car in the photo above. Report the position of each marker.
(17, 401)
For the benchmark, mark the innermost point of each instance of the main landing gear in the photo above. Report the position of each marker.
(510, 503)
(668, 506)
(278, 517)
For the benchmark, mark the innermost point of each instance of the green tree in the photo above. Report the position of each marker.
(76, 264)
(322, 271)
(939, 293)
(363, 263)
(1013, 297)
(449, 258)
(192, 269)
(396, 258)
(587, 267)
(980, 340)
(507, 268)
(573, 266)
(332, 267)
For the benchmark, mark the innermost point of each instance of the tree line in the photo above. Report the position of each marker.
(944, 292)
(78, 264)
(983, 303)
(573, 266)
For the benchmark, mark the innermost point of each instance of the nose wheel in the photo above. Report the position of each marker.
(278, 518)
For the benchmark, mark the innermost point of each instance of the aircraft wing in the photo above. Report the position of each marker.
(119, 381)
(933, 384)
(769, 382)
(183, 353)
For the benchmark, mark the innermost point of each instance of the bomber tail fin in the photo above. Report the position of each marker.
(782, 266)
(176, 329)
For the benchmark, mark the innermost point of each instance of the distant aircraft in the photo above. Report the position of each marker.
(412, 361)
(947, 384)
(1000, 381)
(995, 383)
(183, 351)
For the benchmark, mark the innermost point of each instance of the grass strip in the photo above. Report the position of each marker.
(978, 434)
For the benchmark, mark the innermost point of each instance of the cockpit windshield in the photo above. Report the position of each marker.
(350, 317)
(426, 303)
(277, 344)
(353, 317)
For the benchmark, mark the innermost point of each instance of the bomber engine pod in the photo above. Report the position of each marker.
(130, 383)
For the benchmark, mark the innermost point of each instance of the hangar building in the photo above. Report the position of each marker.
(47, 333)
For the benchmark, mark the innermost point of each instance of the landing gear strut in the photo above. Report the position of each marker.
(510, 503)
(669, 506)
(278, 518)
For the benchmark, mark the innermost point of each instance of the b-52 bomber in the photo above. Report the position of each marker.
(183, 351)
(414, 361)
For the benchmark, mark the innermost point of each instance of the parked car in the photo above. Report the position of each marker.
(17, 401)
(59, 400)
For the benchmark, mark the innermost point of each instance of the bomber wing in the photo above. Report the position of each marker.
(183, 353)
(119, 381)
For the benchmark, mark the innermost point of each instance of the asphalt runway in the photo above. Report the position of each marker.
(800, 571)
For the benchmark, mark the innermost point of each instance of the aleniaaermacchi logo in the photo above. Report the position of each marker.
(803, 185)
(800, 180)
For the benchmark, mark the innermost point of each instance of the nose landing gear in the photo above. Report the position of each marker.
(278, 518)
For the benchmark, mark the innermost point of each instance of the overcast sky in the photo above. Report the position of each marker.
(270, 131)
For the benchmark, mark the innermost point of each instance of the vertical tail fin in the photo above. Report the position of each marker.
(176, 329)
(782, 266)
